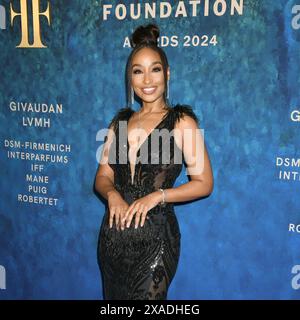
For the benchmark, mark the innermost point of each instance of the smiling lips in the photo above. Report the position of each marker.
(148, 90)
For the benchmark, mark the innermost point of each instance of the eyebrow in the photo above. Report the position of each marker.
(155, 62)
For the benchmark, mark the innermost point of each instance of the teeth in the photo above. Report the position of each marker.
(147, 90)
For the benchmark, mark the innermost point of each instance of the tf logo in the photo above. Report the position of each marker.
(24, 22)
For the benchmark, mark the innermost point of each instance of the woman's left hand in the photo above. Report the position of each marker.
(140, 208)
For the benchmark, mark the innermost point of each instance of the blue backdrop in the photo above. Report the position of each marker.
(239, 72)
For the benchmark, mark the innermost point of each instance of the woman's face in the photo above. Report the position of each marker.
(148, 75)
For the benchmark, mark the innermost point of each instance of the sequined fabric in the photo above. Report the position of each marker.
(139, 264)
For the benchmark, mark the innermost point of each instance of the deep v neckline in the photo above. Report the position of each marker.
(139, 148)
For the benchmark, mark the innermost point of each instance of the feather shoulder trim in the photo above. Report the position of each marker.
(179, 110)
(122, 114)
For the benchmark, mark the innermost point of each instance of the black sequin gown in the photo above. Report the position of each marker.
(139, 264)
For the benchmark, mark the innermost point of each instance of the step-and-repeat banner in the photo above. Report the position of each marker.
(62, 79)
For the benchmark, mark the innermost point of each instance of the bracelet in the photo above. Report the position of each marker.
(163, 192)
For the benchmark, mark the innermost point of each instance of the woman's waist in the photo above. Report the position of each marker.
(133, 192)
(132, 195)
(157, 222)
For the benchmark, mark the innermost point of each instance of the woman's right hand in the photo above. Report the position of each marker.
(117, 208)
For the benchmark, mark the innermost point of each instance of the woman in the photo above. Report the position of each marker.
(139, 239)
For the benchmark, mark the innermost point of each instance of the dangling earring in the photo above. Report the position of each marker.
(168, 88)
(132, 96)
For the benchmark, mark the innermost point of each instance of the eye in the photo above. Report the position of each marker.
(157, 69)
(136, 71)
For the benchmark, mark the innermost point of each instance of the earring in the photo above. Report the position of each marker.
(132, 96)
(168, 88)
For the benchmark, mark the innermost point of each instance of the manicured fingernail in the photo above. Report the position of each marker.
(135, 226)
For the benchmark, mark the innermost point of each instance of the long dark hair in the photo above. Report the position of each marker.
(145, 36)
